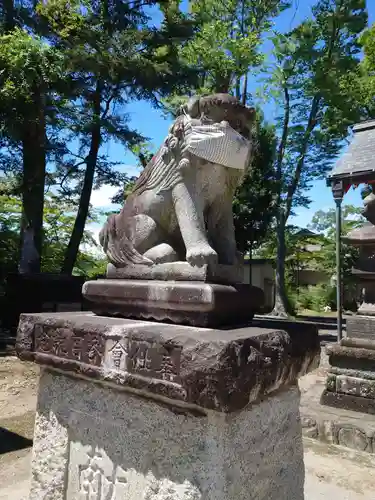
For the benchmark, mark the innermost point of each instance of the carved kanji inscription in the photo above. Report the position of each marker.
(117, 354)
(155, 360)
(69, 344)
(95, 476)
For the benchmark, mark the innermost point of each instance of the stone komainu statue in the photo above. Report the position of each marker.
(181, 206)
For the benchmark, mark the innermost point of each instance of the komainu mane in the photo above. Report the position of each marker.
(181, 206)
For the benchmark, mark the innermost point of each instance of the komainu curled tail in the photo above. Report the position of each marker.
(118, 247)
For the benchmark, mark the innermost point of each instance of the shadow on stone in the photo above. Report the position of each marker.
(138, 447)
(10, 441)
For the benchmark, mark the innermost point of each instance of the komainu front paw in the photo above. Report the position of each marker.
(200, 255)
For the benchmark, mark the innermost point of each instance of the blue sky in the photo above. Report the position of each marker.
(151, 124)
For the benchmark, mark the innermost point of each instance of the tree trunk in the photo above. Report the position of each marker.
(34, 171)
(281, 306)
(8, 19)
(84, 201)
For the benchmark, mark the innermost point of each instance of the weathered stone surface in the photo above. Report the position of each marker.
(339, 427)
(352, 373)
(179, 271)
(367, 308)
(49, 458)
(191, 303)
(360, 327)
(348, 402)
(350, 383)
(360, 343)
(112, 444)
(309, 427)
(353, 438)
(332, 425)
(331, 382)
(353, 358)
(355, 386)
(222, 370)
(181, 206)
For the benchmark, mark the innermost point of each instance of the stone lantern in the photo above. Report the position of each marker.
(351, 379)
(364, 270)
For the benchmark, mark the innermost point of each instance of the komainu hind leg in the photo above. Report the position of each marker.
(161, 254)
(143, 232)
(137, 241)
(150, 240)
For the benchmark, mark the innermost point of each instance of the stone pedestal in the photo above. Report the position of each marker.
(192, 303)
(138, 410)
(350, 382)
(179, 271)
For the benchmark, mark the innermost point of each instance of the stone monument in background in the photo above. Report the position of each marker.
(130, 408)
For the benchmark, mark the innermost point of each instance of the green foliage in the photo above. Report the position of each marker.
(368, 42)
(68, 68)
(58, 222)
(325, 222)
(308, 64)
(309, 61)
(296, 241)
(221, 48)
(253, 204)
(26, 62)
(28, 65)
(226, 44)
(306, 250)
(317, 297)
(10, 216)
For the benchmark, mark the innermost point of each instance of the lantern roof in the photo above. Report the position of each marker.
(357, 164)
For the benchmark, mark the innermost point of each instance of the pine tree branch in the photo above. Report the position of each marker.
(70, 171)
(108, 102)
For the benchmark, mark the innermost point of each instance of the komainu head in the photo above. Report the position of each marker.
(216, 108)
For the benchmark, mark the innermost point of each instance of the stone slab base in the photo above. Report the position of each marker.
(179, 271)
(361, 327)
(339, 426)
(350, 382)
(191, 303)
(217, 369)
(94, 442)
(348, 402)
